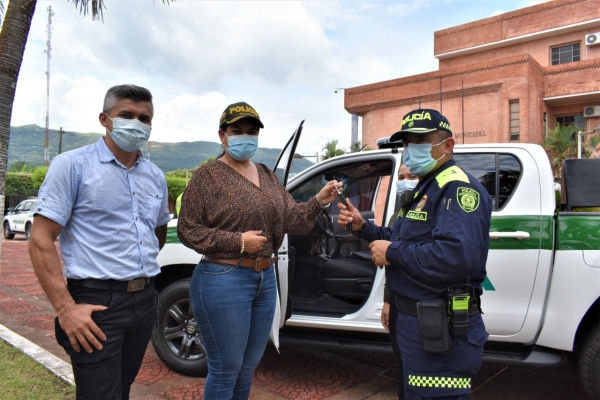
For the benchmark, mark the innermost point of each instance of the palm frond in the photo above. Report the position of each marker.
(97, 8)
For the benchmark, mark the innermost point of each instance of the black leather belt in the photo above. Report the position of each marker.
(133, 285)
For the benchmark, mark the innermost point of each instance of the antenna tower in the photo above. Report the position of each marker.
(48, 56)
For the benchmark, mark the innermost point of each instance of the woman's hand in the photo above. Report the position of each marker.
(385, 316)
(253, 241)
(329, 192)
(349, 215)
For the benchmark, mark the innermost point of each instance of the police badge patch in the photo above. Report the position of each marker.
(467, 198)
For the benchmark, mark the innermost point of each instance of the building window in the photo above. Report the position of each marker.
(514, 120)
(565, 54)
(576, 120)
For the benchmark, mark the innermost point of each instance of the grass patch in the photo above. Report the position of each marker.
(24, 379)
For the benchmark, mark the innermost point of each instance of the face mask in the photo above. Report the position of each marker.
(129, 134)
(242, 147)
(405, 185)
(418, 160)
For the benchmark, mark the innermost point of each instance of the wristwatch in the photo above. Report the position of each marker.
(360, 230)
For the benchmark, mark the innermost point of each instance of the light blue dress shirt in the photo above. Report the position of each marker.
(108, 213)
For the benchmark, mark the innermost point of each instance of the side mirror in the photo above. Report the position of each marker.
(9, 210)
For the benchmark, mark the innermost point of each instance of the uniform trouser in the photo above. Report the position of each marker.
(127, 322)
(395, 348)
(440, 376)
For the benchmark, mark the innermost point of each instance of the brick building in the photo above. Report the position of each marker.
(522, 72)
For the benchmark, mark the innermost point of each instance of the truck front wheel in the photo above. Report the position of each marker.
(176, 338)
(589, 363)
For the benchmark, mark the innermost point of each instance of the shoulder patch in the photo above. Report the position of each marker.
(467, 198)
(450, 175)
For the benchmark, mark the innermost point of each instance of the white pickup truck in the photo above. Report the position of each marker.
(541, 295)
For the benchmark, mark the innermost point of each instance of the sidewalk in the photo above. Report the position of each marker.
(293, 374)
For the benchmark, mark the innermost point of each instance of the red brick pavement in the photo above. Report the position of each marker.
(293, 374)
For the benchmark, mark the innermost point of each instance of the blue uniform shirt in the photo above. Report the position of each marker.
(442, 239)
(108, 213)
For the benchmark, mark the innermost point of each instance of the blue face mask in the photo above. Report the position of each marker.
(242, 147)
(129, 134)
(406, 184)
(418, 160)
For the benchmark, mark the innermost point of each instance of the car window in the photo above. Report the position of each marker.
(361, 184)
(498, 173)
(27, 206)
(20, 206)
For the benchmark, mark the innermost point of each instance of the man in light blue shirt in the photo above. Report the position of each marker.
(109, 206)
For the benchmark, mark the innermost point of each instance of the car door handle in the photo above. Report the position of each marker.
(520, 235)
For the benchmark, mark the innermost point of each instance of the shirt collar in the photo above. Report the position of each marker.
(107, 156)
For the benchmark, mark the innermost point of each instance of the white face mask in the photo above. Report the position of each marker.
(406, 184)
(129, 134)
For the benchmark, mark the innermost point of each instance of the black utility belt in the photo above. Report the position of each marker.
(134, 285)
(440, 319)
(409, 306)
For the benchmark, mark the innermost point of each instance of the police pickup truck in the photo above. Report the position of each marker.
(541, 295)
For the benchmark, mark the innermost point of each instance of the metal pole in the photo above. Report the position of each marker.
(579, 136)
(462, 96)
(60, 140)
(48, 56)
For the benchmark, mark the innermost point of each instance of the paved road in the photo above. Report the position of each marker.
(292, 374)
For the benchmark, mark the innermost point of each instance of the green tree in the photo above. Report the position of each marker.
(209, 159)
(561, 144)
(175, 186)
(19, 184)
(21, 166)
(38, 176)
(178, 173)
(331, 150)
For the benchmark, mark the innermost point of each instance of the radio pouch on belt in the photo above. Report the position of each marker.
(433, 326)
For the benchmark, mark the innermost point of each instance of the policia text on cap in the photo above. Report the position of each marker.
(435, 257)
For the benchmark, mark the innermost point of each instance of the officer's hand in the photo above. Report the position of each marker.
(253, 241)
(378, 249)
(349, 215)
(385, 316)
(77, 323)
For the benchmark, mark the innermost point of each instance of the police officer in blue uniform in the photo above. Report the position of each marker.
(435, 258)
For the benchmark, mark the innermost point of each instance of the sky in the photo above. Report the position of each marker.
(283, 58)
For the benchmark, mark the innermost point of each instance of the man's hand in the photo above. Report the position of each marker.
(253, 241)
(77, 322)
(349, 215)
(385, 316)
(378, 249)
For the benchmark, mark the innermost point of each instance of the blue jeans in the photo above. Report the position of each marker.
(234, 308)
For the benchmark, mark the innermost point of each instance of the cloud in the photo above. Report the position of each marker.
(497, 12)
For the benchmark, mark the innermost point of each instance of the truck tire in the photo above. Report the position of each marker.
(7, 232)
(589, 363)
(27, 231)
(176, 338)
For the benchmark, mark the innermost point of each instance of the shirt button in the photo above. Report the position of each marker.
(142, 267)
(140, 242)
(133, 193)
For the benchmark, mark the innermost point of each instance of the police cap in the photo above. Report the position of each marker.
(421, 121)
(236, 111)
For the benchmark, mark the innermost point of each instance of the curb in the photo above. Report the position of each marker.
(52, 363)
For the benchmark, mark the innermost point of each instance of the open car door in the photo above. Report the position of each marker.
(285, 263)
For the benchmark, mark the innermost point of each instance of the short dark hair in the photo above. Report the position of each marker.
(119, 92)
(442, 134)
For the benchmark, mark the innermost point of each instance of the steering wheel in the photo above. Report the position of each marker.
(323, 224)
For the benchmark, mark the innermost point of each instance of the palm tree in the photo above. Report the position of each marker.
(560, 144)
(331, 150)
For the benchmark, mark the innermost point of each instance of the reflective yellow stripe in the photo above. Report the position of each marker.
(439, 382)
(450, 175)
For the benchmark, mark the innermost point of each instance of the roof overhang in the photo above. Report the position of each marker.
(568, 99)
(520, 39)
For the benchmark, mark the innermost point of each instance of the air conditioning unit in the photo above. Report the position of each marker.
(593, 111)
(592, 39)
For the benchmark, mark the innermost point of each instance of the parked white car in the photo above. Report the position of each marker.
(19, 220)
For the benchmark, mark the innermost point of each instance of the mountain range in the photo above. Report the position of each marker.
(27, 145)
